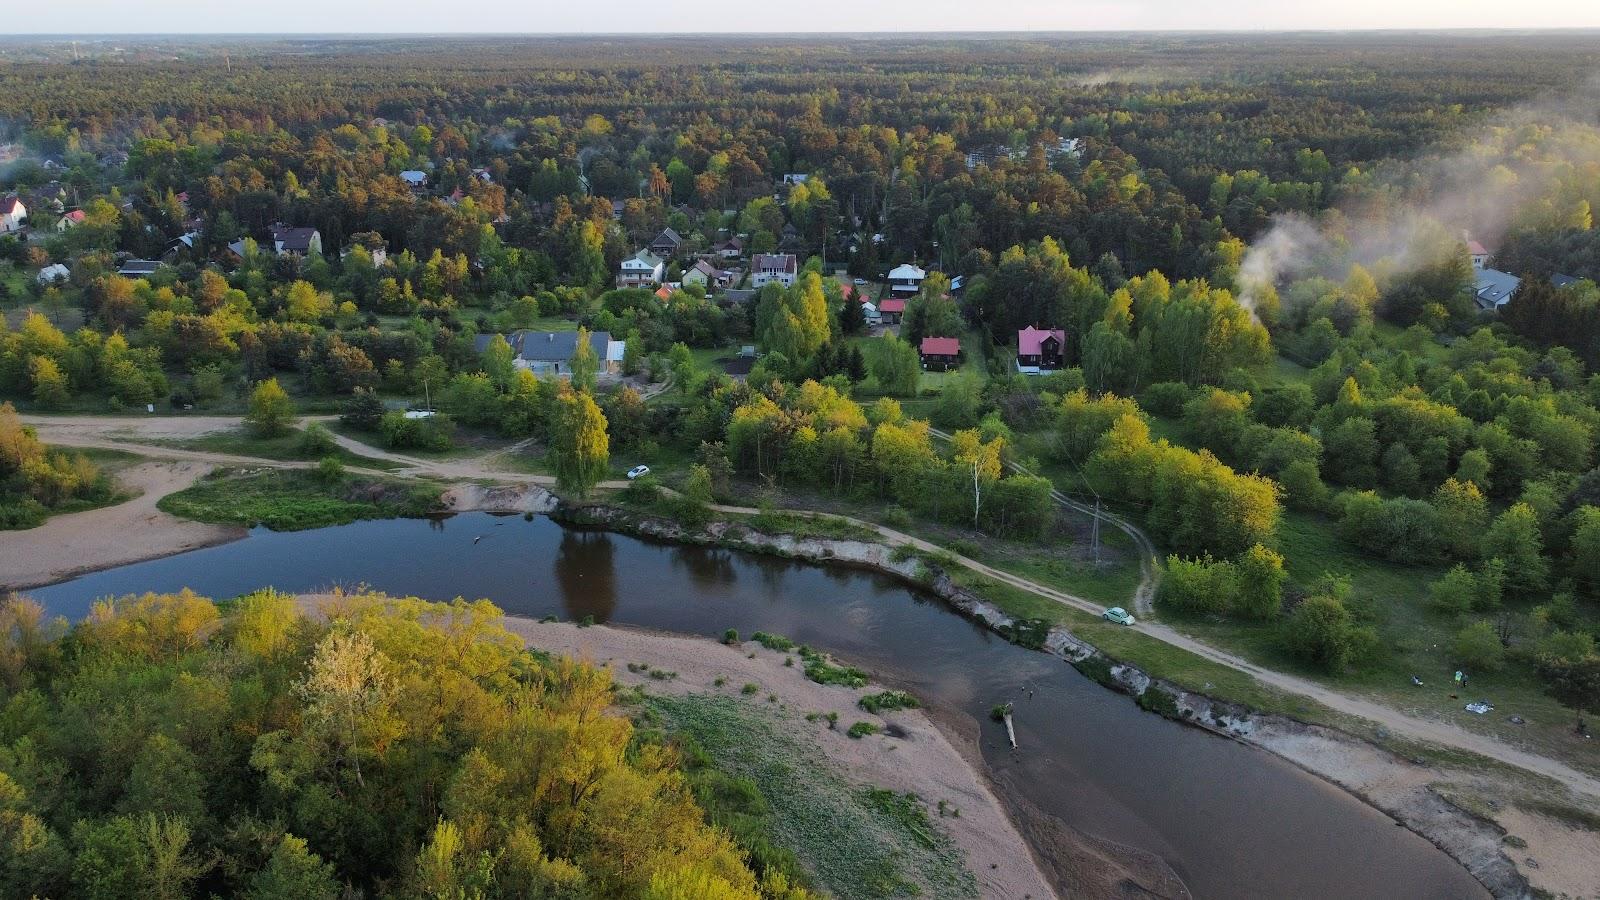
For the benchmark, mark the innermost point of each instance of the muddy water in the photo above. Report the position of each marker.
(1234, 822)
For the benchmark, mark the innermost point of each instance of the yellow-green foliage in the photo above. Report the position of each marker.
(397, 746)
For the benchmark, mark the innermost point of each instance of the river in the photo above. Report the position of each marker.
(1234, 822)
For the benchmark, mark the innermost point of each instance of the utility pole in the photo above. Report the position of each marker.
(1096, 537)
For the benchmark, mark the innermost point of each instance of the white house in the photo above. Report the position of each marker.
(414, 178)
(1480, 256)
(12, 212)
(766, 268)
(640, 269)
(299, 241)
(53, 274)
(869, 311)
(906, 279)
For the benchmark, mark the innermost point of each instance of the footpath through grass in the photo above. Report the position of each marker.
(289, 447)
(295, 500)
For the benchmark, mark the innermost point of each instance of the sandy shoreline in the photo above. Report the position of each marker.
(132, 531)
(916, 756)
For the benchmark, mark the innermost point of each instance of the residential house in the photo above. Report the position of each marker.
(139, 268)
(1040, 350)
(551, 352)
(1480, 256)
(664, 293)
(940, 353)
(1564, 281)
(666, 244)
(296, 241)
(869, 311)
(415, 179)
(12, 214)
(703, 274)
(53, 274)
(72, 219)
(1493, 288)
(796, 178)
(906, 279)
(642, 268)
(891, 310)
(766, 268)
(732, 248)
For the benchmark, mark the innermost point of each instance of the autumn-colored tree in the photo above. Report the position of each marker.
(580, 450)
(271, 411)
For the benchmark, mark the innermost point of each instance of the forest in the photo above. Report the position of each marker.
(1265, 257)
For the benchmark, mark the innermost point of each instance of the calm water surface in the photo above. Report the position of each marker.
(1234, 822)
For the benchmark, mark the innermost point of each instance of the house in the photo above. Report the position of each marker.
(415, 179)
(1563, 281)
(551, 352)
(940, 353)
(483, 175)
(70, 221)
(891, 309)
(663, 293)
(53, 274)
(666, 243)
(703, 274)
(906, 279)
(380, 254)
(766, 268)
(184, 242)
(1480, 256)
(12, 214)
(732, 248)
(296, 241)
(640, 269)
(617, 206)
(869, 311)
(139, 268)
(1040, 350)
(1494, 288)
(794, 178)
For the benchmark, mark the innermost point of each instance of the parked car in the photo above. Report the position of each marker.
(860, 281)
(638, 472)
(1118, 615)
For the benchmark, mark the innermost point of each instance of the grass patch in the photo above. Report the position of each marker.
(297, 500)
(887, 700)
(852, 845)
(239, 442)
(800, 526)
(861, 729)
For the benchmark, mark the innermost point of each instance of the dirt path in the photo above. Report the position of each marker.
(129, 532)
(1143, 602)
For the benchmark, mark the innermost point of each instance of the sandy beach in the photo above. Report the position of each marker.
(131, 531)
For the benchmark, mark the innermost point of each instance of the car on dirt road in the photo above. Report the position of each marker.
(1118, 615)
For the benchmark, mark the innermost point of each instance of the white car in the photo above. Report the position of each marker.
(638, 472)
(860, 281)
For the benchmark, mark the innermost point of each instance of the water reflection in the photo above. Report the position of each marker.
(586, 573)
(709, 569)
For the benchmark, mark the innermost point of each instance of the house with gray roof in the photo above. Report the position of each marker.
(1494, 288)
(551, 352)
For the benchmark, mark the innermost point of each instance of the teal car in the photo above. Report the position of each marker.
(1118, 615)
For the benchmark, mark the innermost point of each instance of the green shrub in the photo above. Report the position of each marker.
(876, 703)
(862, 729)
(316, 441)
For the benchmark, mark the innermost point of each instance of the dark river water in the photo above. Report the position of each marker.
(1234, 822)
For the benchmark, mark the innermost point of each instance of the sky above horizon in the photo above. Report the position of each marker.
(699, 17)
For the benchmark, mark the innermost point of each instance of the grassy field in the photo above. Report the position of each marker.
(852, 842)
(239, 442)
(297, 500)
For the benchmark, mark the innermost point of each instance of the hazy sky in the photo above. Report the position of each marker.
(700, 16)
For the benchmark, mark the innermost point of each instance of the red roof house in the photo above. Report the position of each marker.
(1040, 349)
(940, 353)
(892, 309)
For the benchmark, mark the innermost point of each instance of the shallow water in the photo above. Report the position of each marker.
(1233, 821)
